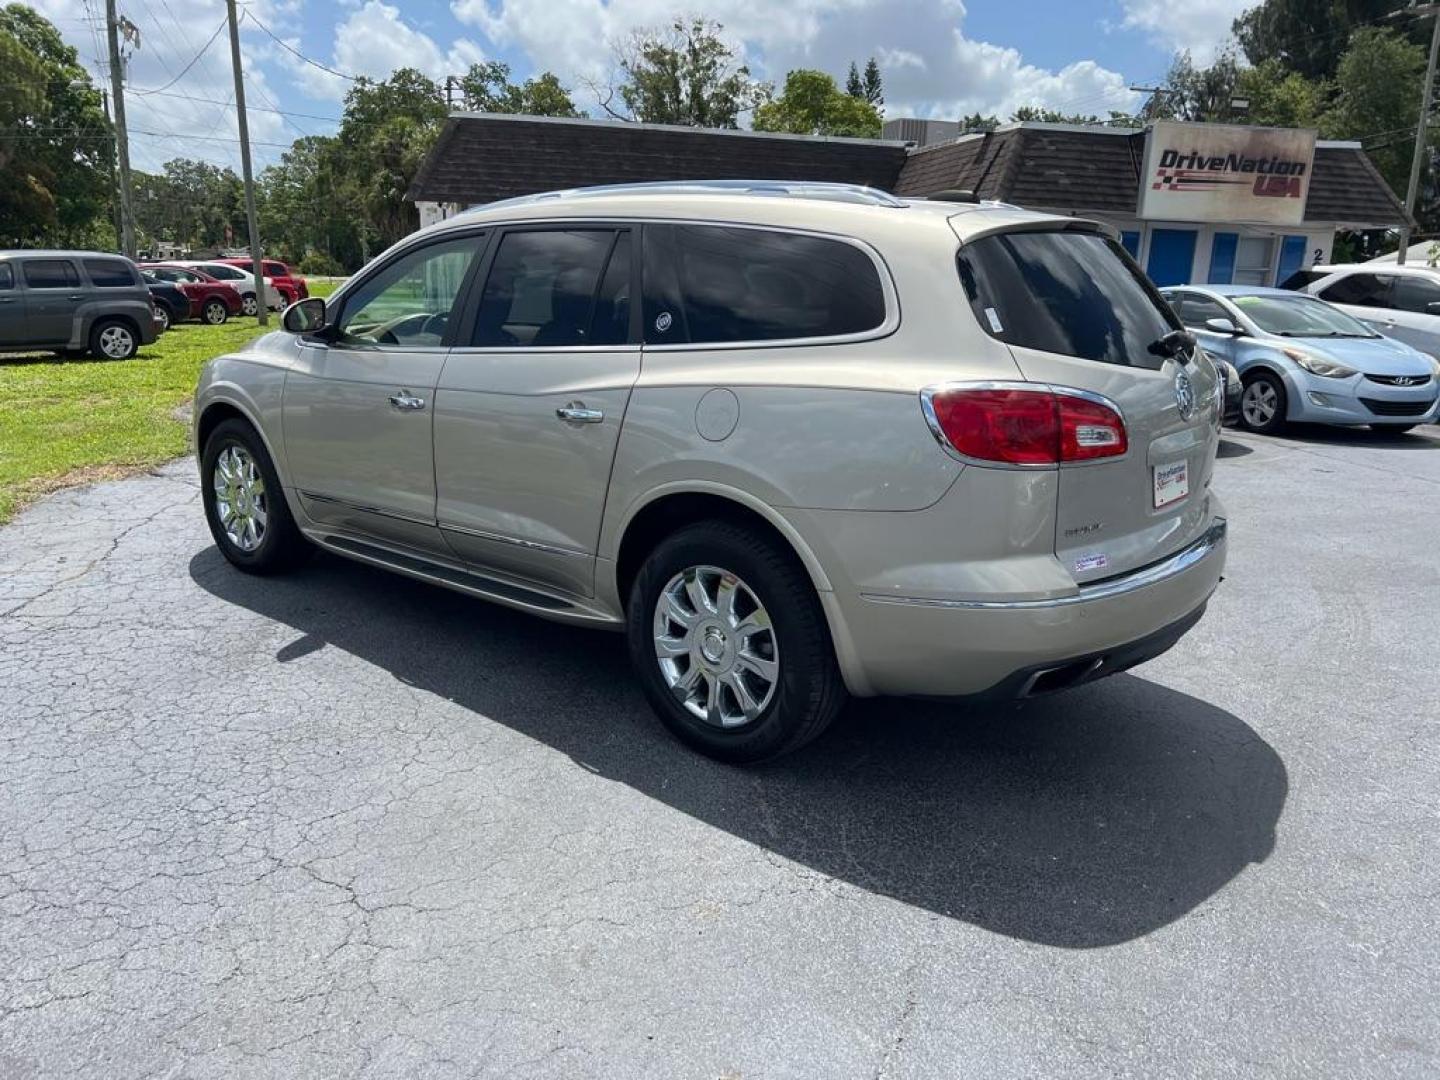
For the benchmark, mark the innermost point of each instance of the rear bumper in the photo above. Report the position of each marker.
(916, 646)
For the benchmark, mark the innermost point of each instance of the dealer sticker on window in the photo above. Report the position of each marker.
(1172, 483)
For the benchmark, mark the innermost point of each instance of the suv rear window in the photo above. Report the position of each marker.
(50, 274)
(1072, 293)
(109, 273)
(709, 284)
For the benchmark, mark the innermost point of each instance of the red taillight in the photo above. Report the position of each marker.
(1026, 426)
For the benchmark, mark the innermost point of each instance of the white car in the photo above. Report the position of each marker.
(241, 281)
(1401, 302)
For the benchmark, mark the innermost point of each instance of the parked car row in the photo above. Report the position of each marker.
(74, 302)
(1299, 358)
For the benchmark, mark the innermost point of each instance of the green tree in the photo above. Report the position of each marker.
(1053, 116)
(487, 88)
(1200, 95)
(872, 86)
(812, 104)
(685, 75)
(387, 128)
(853, 86)
(977, 123)
(1309, 37)
(1278, 98)
(1377, 99)
(56, 147)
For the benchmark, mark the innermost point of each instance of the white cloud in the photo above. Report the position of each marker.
(375, 40)
(929, 66)
(1201, 26)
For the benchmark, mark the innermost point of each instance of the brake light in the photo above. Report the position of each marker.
(1025, 424)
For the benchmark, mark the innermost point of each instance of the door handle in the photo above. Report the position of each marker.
(577, 413)
(406, 401)
(76, 296)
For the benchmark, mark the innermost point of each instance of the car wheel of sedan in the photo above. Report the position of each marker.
(244, 504)
(214, 312)
(1263, 404)
(162, 317)
(248, 305)
(732, 648)
(111, 339)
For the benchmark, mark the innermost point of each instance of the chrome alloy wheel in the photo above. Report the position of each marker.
(248, 306)
(1259, 403)
(116, 342)
(240, 497)
(716, 646)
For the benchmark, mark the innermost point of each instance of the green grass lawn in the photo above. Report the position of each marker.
(65, 422)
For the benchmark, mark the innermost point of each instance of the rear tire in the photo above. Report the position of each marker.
(163, 317)
(113, 339)
(248, 305)
(730, 643)
(214, 312)
(245, 505)
(1263, 404)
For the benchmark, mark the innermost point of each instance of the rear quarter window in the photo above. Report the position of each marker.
(1072, 293)
(717, 284)
(110, 274)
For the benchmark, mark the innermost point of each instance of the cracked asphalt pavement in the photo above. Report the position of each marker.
(343, 824)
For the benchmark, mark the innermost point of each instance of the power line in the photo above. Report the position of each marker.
(185, 70)
(296, 52)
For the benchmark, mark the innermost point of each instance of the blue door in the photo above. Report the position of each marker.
(1172, 254)
(1222, 258)
(1292, 257)
(1130, 241)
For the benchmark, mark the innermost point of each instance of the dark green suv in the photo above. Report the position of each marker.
(74, 302)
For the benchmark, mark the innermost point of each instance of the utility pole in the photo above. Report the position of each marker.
(122, 140)
(262, 307)
(119, 187)
(1422, 126)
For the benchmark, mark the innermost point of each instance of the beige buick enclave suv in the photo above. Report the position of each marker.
(795, 440)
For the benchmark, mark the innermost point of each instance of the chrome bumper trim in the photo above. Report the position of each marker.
(1178, 563)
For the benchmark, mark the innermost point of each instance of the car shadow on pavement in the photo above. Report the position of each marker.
(1229, 448)
(1087, 819)
(1423, 437)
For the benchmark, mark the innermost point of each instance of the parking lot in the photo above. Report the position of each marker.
(344, 824)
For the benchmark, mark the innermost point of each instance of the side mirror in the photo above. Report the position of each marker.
(305, 316)
(1223, 326)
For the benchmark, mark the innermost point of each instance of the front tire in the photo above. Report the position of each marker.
(214, 312)
(112, 339)
(248, 306)
(1263, 404)
(730, 643)
(244, 504)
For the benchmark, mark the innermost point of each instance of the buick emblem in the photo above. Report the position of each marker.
(1184, 396)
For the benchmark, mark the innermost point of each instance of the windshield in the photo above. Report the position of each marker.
(1072, 293)
(1299, 316)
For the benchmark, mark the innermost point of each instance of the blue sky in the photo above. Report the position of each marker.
(939, 58)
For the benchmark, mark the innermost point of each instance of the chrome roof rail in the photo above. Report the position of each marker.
(793, 189)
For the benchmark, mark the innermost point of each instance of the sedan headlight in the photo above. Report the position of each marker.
(1318, 365)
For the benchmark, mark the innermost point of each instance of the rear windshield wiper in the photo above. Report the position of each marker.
(1177, 343)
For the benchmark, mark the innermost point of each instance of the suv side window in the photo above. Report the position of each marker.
(51, 274)
(714, 284)
(110, 274)
(1363, 290)
(542, 290)
(409, 302)
(1300, 278)
(7, 276)
(1414, 293)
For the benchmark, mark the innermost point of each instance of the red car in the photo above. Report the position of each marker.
(211, 301)
(289, 284)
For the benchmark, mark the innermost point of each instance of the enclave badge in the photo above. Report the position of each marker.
(1184, 396)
